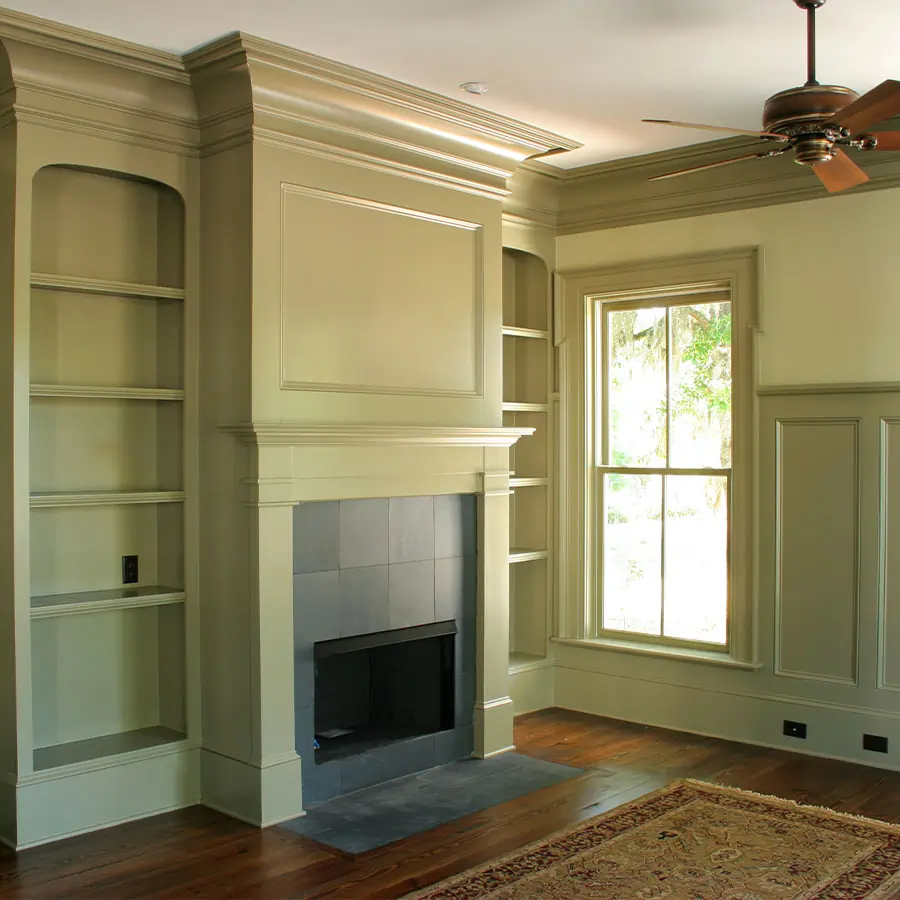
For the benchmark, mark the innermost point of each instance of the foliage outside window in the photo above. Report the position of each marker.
(664, 443)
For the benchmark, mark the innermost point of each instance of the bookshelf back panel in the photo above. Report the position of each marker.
(524, 370)
(525, 291)
(105, 445)
(81, 548)
(528, 457)
(100, 225)
(94, 675)
(528, 518)
(104, 340)
(528, 607)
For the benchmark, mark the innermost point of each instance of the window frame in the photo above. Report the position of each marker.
(580, 553)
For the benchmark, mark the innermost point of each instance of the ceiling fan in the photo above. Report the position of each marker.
(816, 122)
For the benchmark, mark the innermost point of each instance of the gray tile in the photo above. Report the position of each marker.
(457, 743)
(316, 607)
(449, 588)
(304, 675)
(411, 587)
(320, 782)
(455, 517)
(364, 533)
(465, 699)
(387, 763)
(465, 645)
(364, 600)
(411, 529)
(303, 732)
(316, 537)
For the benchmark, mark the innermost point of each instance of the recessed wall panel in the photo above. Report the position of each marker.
(379, 299)
(817, 554)
(889, 620)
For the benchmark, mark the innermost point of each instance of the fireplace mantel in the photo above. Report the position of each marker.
(287, 433)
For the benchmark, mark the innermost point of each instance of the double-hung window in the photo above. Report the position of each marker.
(665, 465)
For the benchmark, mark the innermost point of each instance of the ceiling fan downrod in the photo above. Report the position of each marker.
(810, 6)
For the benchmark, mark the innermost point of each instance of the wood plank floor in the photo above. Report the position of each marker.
(200, 854)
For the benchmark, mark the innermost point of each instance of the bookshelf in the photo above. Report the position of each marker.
(527, 386)
(106, 467)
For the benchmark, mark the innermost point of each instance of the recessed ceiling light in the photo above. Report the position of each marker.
(473, 87)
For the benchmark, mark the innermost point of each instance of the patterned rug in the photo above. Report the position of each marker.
(696, 841)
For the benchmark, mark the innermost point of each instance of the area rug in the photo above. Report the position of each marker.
(696, 841)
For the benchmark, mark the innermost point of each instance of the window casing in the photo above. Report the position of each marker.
(587, 448)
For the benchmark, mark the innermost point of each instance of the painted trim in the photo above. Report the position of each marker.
(285, 433)
(865, 387)
(661, 651)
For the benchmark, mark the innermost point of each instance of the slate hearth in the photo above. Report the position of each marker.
(367, 566)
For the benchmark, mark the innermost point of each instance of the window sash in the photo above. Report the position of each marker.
(667, 299)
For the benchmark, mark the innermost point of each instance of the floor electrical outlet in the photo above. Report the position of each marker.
(794, 729)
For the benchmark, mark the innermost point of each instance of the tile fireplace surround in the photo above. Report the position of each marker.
(375, 565)
(289, 464)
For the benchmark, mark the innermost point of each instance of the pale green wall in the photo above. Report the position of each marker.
(829, 310)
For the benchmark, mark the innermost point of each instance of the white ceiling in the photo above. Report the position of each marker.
(588, 69)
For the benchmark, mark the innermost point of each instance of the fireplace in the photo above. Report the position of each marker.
(373, 690)
(384, 638)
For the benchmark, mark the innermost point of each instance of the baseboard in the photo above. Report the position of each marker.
(259, 796)
(66, 805)
(832, 733)
(531, 689)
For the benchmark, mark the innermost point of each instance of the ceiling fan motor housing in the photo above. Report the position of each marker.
(800, 114)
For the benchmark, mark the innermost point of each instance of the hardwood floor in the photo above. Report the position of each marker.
(200, 854)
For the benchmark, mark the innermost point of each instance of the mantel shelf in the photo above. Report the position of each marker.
(525, 554)
(78, 285)
(535, 333)
(94, 392)
(104, 498)
(53, 605)
(525, 407)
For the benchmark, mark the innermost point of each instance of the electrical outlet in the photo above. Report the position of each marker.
(875, 742)
(129, 570)
(794, 729)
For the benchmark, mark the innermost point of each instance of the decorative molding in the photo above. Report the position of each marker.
(493, 704)
(244, 83)
(790, 390)
(91, 45)
(264, 434)
(882, 682)
(779, 669)
(92, 606)
(618, 193)
(474, 229)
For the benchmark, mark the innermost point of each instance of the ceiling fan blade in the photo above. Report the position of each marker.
(841, 173)
(877, 105)
(715, 165)
(884, 140)
(762, 134)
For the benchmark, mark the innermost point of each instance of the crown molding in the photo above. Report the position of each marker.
(246, 84)
(618, 193)
(286, 433)
(90, 45)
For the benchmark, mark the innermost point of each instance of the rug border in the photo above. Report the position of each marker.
(888, 828)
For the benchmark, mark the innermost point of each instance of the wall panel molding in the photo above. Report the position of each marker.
(411, 272)
(888, 664)
(817, 564)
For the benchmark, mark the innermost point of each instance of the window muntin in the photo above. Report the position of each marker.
(665, 423)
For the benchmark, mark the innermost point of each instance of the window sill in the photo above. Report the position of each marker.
(707, 657)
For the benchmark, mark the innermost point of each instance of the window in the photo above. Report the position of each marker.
(664, 466)
(656, 456)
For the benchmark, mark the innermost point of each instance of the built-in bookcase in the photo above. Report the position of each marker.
(527, 386)
(106, 466)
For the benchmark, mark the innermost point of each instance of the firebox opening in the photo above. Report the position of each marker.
(375, 689)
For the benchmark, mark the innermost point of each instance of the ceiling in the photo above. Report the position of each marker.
(588, 69)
